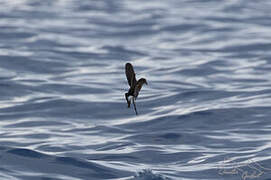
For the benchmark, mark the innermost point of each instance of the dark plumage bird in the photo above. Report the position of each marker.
(135, 86)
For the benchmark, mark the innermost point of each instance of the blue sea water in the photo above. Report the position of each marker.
(205, 113)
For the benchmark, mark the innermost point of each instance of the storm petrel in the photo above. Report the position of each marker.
(135, 86)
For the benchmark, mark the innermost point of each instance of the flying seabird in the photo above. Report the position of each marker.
(135, 86)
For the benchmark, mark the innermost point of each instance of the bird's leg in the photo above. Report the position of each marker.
(133, 99)
(128, 102)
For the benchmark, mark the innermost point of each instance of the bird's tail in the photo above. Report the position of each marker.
(128, 102)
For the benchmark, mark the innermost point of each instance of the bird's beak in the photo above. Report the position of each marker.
(146, 83)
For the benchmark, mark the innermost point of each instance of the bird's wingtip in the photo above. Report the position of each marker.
(128, 64)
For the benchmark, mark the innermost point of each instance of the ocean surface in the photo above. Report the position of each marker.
(205, 114)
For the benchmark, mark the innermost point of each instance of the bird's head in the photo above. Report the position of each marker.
(143, 81)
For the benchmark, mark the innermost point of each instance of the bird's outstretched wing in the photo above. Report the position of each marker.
(130, 74)
(138, 86)
(137, 89)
